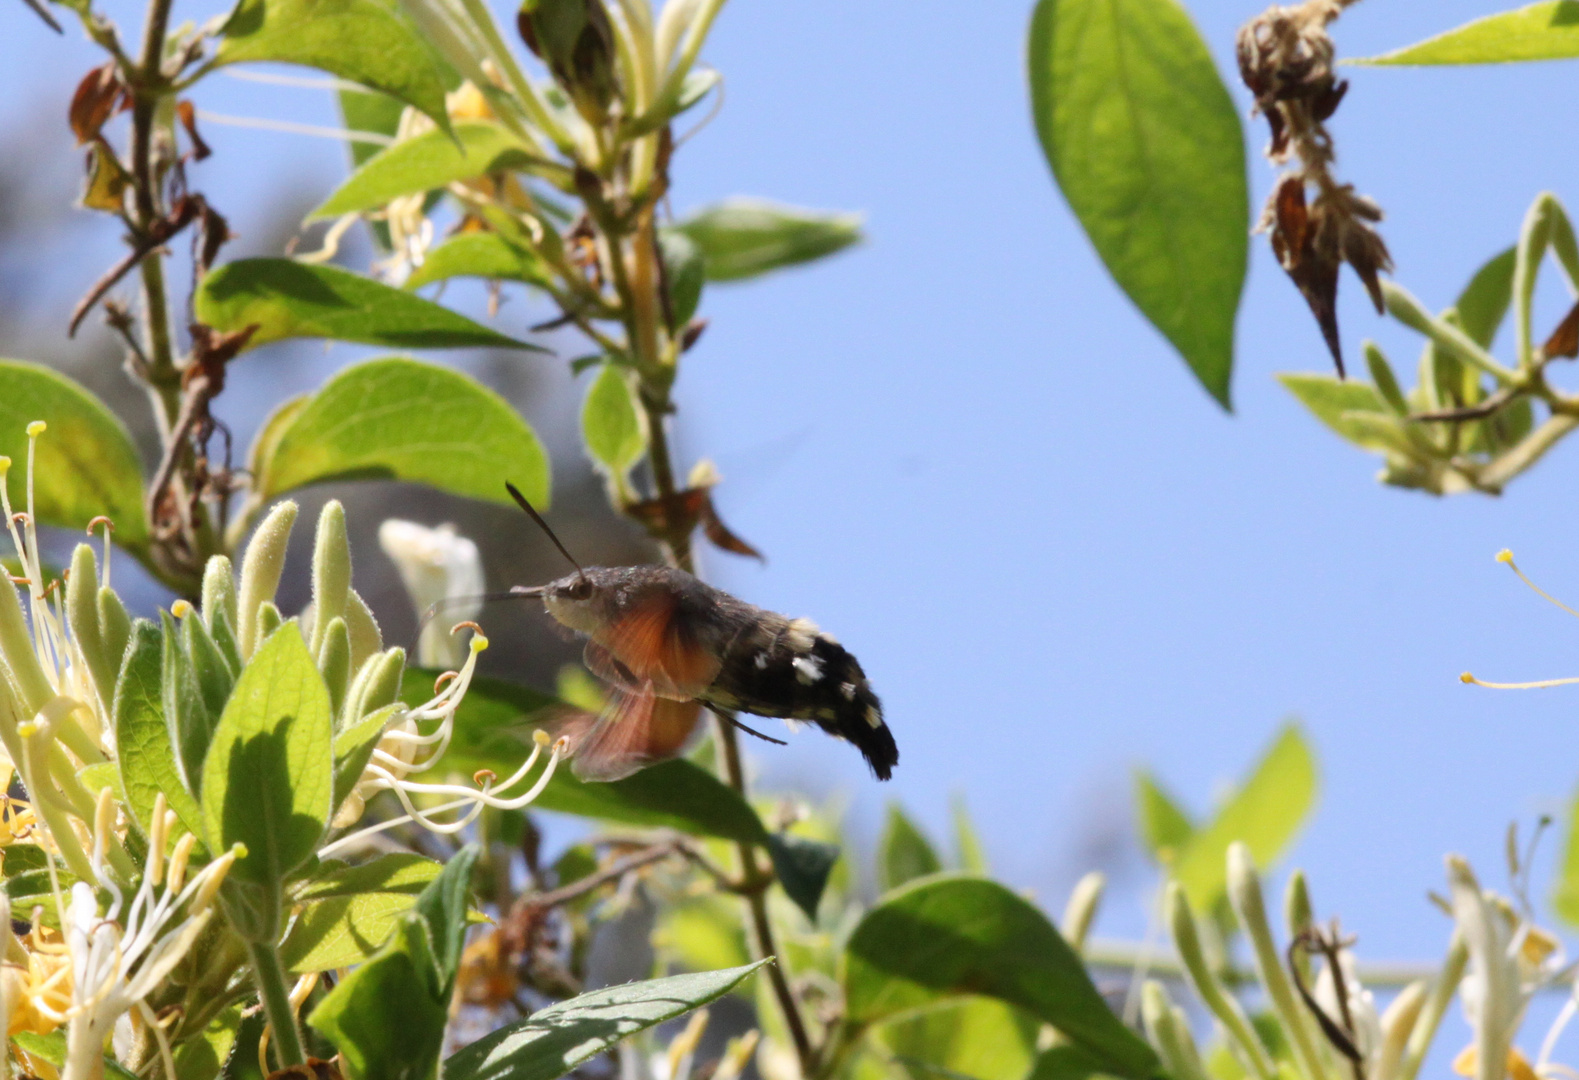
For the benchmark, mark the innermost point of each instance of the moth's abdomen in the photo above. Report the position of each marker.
(794, 671)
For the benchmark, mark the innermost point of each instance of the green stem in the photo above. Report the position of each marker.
(1531, 449)
(276, 997)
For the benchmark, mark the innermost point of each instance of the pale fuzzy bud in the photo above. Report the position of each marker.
(334, 663)
(260, 573)
(269, 620)
(17, 645)
(377, 684)
(1493, 999)
(331, 572)
(1398, 1023)
(365, 636)
(1244, 895)
(437, 566)
(219, 590)
(115, 625)
(1186, 939)
(82, 615)
(1170, 1038)
(1081, 910)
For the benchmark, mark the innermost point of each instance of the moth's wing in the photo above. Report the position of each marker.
(657, 644)
(637, 729)
(607, 667)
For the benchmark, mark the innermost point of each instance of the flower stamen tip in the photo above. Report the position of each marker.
(540, 737)
(1466, 677)
(479, 643)
(36, 428)
(1505, 555)
(181, 609)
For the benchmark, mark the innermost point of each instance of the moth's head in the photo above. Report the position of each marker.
(574, 600)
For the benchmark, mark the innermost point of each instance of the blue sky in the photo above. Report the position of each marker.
(969, 458)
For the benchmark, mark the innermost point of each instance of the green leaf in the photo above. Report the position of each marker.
(1065, 1063)
(268, 776)
(443, 906)
(203, 1057)
(741, 238)
(348, 913)
(387, 1018)
(479, 254)
(1544, 31)
(371, 112)
(52, 1048)
(1164, 825)
(353, 749)
(904, 852)
(802, 866)
(1484, 302)
(967, 842)
(685, 272)
(977, 1037)
(1146, 145)
(493, 730)
(85, 463)
(1265, 812)
(289, 299)
(941, 938)
(185, 712)
(147, 755)
(610, 423)
(427, 162)
(364, 41)
(1336, 402)
(553, 1041)
(1565, 900)
(399, 419)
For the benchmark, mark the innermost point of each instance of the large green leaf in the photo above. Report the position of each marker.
(349, 912)
(427, 162)
(1265, 812)
(288, 299)
(479, 254)
(945, 937)
(493, 730)
(1544, 31)
(1146, 145)
(387, 1017)
(268, 775)
(904, 853)
(553, 1041)
(86, 464)
(976, 1037)
(146, 752)
(364, 41)
(741, 238)
(400, 419)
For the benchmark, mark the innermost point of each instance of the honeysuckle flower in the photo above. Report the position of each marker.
(1510, 958)
(413, 742)
(1358, 1006)
(438, 566)
(121, 956)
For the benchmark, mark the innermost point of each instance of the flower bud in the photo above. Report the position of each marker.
(17, 646)
(334, 663)
(1187, 940)
(331, 572)
(575, 39)
(219, 590)
(260, 574)
(1081, 910)
(377, 684)
(82, 616)
(365, 636)
(442, 572)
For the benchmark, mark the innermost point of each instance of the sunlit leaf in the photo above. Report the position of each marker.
(86, 464)
(946, 937)
(554, 1040)
(741, 238)
(976, 1037)
(1145, 143)
(364, 41)
(144, 747)
(1337, 402)
(1164, 824)
(288, 299)
(426, 162)
(1265, 813)
(400, 419)
(482, 255)
(610, 423)
(1543, 31)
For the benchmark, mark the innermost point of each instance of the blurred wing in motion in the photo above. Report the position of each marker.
(637, 729)
(655, 643)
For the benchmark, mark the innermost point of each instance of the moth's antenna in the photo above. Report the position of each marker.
(541, 524)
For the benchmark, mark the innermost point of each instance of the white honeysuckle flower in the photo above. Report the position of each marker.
(121, 956)
(437, 566)
(406, 748)
(1359, 1009)
(1510, 959)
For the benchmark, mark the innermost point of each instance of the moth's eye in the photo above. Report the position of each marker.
(579, 589)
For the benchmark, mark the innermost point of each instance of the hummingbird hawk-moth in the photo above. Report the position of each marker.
(667, 644)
